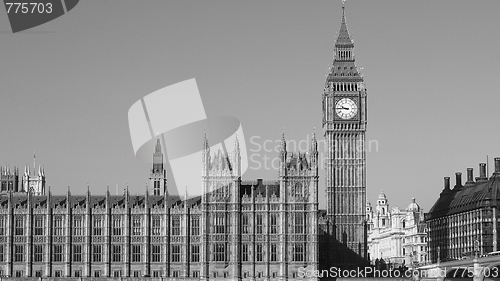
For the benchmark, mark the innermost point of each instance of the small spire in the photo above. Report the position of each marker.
(314, 142)
(283, 141)
(236, 144)
(343, 35)
(205, 140)
(186, 193)
(158, 145)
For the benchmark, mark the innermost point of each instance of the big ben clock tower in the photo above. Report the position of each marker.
(344, 127)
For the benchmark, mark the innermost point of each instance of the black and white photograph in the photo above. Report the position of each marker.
(172, 140)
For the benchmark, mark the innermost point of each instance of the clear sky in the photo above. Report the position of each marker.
(431, 69)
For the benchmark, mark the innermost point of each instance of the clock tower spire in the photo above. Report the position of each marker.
(344, 127)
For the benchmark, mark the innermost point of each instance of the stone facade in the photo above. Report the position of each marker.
(397, 236)
(237, 229)
(344, 128)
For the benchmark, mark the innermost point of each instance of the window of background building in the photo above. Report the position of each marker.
(58, 226)
(156, 273)
(298, 252)
(176, 274)
(220, 222)
(76, 273)
(220, 252)
(274, 252)
(57, 273)
(156, 226)
(156, 253)
(136, 253)
(176, 226)
(299, 223)
(18, 253)
(97, 273)
(19, 226)
(58, 253)
(19, 273)
(195, 253)
(244, 223)
(274, 223)
(38, 253)
(97, 253)
(97, 226)
(77, 226)
(38, 225)
(195, 226)
(117, 273)
(137, 273)
(136, 226)
(176, 253)
(77, 253)
(38, 273)
(2, 226)
(2, 256)
(258, 223)
(117, 226)
(117, 253)
(196, 274)
(244, 252)
(259, 252)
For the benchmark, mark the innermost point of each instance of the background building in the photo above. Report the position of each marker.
(397, 236)
(465, 219)
(236, 229)
(344, 127)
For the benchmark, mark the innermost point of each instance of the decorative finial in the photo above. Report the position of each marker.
(343, 3)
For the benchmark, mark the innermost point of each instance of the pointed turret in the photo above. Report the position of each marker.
(237, 158)
(283, 141)
(344, 69)
(157, 158)
(206, 146)
(158, 176)
(344, 39)
(314, 142)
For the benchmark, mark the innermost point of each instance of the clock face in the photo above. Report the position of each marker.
(346, 108)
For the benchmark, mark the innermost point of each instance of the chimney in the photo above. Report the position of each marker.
(497, 165)
(458, 176)
(470, 176)
(447, 183)
(482, 171)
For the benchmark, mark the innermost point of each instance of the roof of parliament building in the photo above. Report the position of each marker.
(474, 194)
(248, 188)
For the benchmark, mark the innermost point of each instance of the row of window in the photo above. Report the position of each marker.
(97, 226)
(220, 225)
(298, 226)
(97, 253)
(220, 253)
(98, 273)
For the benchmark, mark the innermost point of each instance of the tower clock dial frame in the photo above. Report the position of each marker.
(346, 108)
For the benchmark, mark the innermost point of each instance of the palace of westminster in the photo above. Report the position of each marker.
(243, 229)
